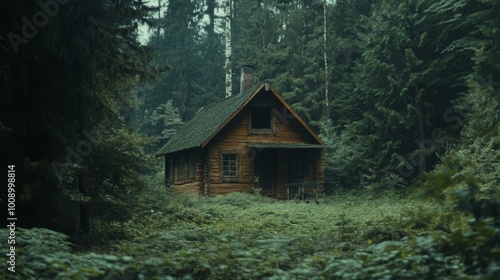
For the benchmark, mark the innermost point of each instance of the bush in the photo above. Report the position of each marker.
(241, 236)
(45, 254)
(242, 200)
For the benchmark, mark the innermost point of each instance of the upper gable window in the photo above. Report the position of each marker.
(261, 119)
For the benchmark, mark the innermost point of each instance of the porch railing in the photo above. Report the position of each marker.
(302, 190)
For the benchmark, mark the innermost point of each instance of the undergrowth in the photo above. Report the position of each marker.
(244, 236)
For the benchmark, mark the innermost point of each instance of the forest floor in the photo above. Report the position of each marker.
(246, 236)
(242, 236)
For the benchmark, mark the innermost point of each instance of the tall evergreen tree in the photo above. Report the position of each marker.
(403, 86)
(192, 50)
(474, 160)
(64, 91)
(285, 41)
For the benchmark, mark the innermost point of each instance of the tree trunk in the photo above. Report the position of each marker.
(159, 19)
(326, 109)
(211, 17)
(211, 35)
(325, 56)
(227, 35)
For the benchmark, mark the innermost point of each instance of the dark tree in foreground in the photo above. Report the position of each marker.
(66, 76)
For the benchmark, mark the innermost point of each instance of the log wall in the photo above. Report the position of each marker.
(193, 185)
(233, 138)
(237, 134)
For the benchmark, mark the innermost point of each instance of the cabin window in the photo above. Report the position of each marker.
(230, 167)
(261, 119)
(182, 169)
(296, 167)
(192, 165)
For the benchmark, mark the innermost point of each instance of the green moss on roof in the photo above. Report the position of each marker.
(206, 122)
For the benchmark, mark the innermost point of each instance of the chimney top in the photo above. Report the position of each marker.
(246, 77)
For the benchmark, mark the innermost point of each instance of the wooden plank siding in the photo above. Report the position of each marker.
(236, 136)
(192, 185)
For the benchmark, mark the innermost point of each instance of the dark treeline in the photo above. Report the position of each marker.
(67, 69)
(401, 91)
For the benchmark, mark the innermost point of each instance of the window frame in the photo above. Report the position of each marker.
(237, 177)
(252, 130)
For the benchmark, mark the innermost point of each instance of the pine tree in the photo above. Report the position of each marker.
(167, 118)
(67, 89)
(403, 85)
(474, 160)
(192, 50)
(284, 39)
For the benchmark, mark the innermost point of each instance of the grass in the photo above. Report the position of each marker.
(244, 236)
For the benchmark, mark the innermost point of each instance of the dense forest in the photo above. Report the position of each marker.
(405, 95)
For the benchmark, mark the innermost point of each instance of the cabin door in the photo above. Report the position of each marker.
(265, 171)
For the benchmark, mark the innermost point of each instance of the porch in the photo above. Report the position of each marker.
(288, 170)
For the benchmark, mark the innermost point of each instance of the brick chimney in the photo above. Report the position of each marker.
(246, 77)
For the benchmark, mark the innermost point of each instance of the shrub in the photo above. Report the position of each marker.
(241, 236)
(242, 200)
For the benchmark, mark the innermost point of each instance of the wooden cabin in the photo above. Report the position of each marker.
(250, 139)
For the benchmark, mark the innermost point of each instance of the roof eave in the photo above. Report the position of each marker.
(238, 110)
(177, 150)
(301, 121)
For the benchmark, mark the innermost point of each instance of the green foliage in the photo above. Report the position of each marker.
(191, 49)
(45, 254)
(475, 159)
(166, 116)
(345, 157)
(242, 236)
(237, 199)
(66, 109)
(397, 78)
(474, 164)
(396, 68)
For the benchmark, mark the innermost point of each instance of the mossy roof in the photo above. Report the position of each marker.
(213, 117)
(207, 121)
